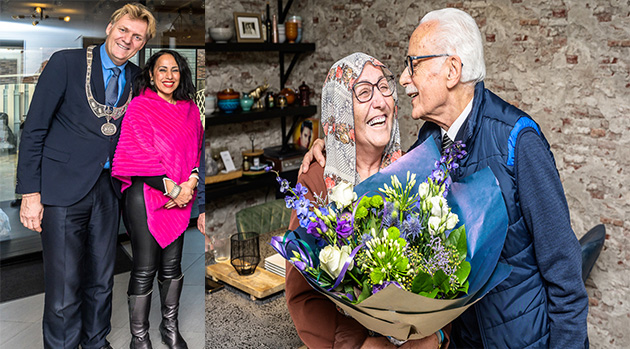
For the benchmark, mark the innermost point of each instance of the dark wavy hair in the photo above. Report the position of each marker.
(184, 91)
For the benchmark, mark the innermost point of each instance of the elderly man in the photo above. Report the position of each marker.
(543, 303)
(64, 175)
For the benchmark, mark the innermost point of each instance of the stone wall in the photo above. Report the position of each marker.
(563, 62)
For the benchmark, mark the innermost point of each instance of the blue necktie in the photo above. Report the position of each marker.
(111, 91)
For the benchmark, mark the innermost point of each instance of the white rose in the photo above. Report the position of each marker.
(439, 207)
(343, 195)
(451, 221)
(434, 225)
(423, 190)
(332, 259)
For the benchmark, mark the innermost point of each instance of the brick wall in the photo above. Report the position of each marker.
(8, 67)
(563, 62)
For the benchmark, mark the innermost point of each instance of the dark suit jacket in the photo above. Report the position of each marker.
(62, 150)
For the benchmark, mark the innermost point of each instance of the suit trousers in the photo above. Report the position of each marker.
(79, 251)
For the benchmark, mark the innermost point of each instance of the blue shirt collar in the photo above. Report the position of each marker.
(107, 62)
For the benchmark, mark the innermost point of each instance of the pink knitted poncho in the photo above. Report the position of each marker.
(158, 138)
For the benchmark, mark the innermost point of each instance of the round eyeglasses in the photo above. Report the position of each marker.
(364, 90)
(409, 60)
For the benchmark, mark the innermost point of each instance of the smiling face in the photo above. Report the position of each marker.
(373, 119)
(165, 75)
(427, 86)
(125, 38)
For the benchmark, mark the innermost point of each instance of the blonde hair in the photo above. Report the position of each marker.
(136, 11)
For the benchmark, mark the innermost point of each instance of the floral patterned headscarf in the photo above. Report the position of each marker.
(338, 121)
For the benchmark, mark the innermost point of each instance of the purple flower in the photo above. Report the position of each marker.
(290, 201)
(366, 237)
(302, 205)
(284, 185)
(314, 228)
(438, 175)
(411, 228)
(268, 168)
(378, 288)
(344, 226)
(324, 211)
(300, 265)
(300, 190)
(304, 220)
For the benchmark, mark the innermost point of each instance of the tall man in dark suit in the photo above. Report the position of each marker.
(64, 175)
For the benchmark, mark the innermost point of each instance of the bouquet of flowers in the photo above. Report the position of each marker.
(403, 260)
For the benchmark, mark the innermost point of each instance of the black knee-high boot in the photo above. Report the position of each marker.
(139, 308)
(170, 291)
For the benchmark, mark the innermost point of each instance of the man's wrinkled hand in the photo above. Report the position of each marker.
(317, 152)
(32, 212)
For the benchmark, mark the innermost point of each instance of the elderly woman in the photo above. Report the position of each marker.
(359, 119)
(157, 160)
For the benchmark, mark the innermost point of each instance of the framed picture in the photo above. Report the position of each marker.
(248, 27)
(306, 133)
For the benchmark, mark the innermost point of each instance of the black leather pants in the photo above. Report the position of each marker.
(148, 257)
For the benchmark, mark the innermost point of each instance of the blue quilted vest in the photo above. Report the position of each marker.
(514, 314)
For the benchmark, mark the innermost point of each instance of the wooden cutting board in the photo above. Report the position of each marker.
(261, 284)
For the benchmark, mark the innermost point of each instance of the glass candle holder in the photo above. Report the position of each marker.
(245, 252)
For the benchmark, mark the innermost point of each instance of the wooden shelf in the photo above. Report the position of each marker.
(243, 184)
(222, 177)
(241, 116)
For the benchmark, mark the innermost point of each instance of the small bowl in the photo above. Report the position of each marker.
(228, 105)
(221, 35)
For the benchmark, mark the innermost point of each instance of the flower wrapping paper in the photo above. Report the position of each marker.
(478, 202)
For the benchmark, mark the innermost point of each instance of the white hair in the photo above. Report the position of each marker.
(458, 33)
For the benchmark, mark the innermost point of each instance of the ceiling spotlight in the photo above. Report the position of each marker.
(65, 19)
(35, 23)
(38, 9)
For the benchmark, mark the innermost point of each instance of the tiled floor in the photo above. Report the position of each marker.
(21, 320)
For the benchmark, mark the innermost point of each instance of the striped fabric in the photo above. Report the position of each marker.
(159, 138)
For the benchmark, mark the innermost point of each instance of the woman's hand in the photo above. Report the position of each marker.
(186, 194)
(317, 152)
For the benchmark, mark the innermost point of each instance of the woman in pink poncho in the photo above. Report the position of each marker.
(157, 160)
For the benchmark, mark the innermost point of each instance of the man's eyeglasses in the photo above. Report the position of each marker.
(409, 60)
(364, 90)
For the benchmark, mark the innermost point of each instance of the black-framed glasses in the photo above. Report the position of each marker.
(364, 90)
(409, 60)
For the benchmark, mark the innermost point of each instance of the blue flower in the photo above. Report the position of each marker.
(268, 168)
(366, 237)
(290, 201)
(411, 228)
(284, 185)
(300, 190)
(302, 205)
